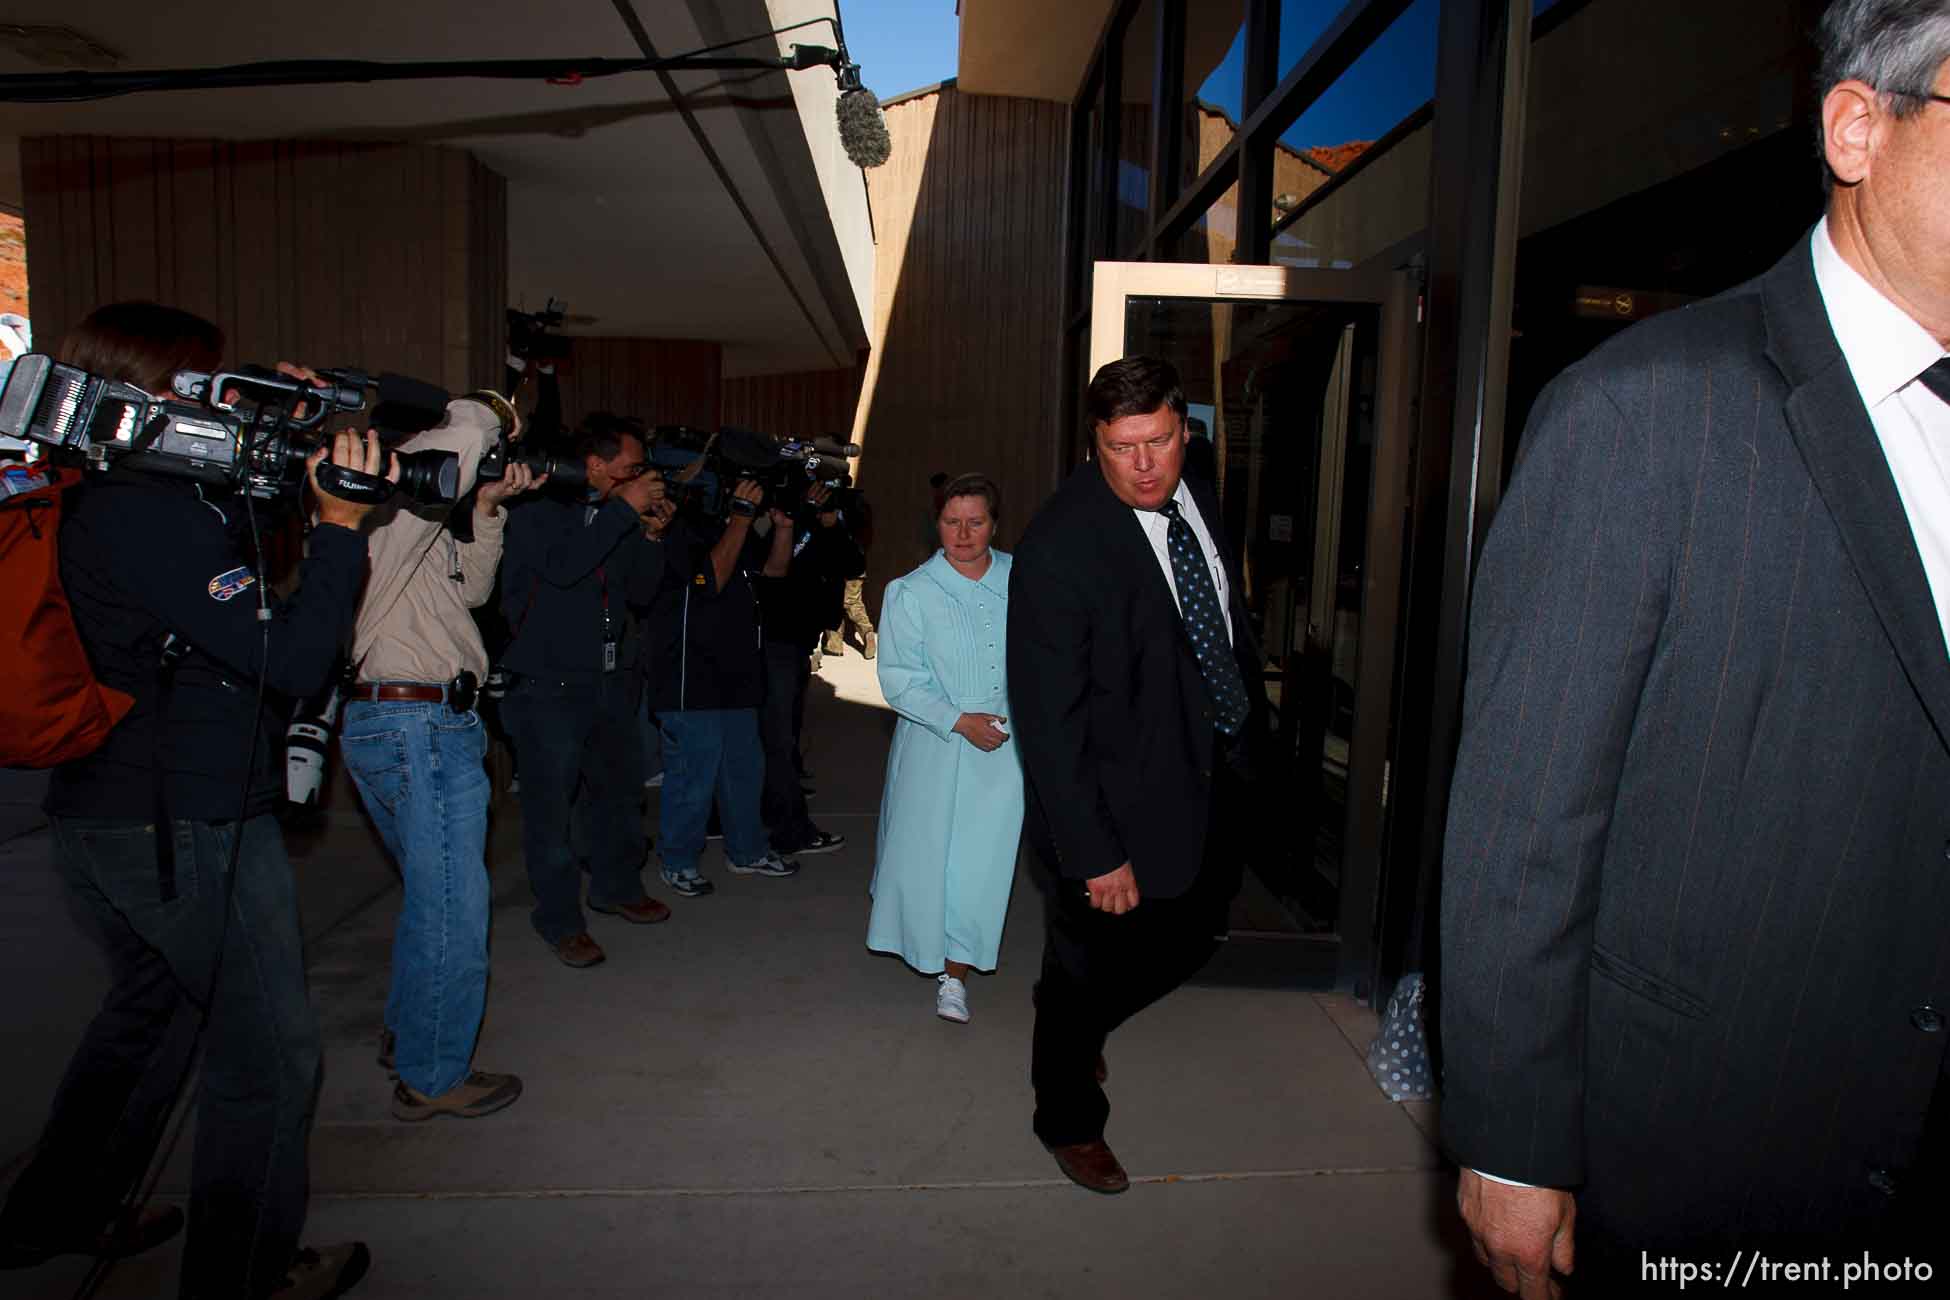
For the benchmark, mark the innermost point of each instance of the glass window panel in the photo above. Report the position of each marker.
(1301, 24)
(1215, 80)
(1214, 236)
(1134, 133)
(1388, 201)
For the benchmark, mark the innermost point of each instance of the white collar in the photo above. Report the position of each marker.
(1154, 518)
(1884, 346)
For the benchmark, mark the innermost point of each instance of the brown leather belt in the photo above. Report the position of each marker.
(395, 691)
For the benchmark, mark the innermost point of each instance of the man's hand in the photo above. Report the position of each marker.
(816, 496)
(657, 518)
(982, 730)
(753, 495)
(1520, 1233)
(518, 479)
(642, 491)
(349, 451)
(1115, 892)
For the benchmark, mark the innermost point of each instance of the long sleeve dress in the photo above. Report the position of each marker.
(951, 815)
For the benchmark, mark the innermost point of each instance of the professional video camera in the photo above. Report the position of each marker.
(701, 470)
(248, 430)
(529, 337)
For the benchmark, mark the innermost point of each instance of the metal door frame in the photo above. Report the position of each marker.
(1395, 293)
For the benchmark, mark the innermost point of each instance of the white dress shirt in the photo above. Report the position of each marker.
(1157, 530)
(1886, 350)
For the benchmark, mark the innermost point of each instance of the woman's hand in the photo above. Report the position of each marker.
(982, 730)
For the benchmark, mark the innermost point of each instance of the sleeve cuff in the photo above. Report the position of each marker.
(1507, 1182)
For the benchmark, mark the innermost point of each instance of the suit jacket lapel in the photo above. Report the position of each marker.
(1844, 457)
(1131, 547)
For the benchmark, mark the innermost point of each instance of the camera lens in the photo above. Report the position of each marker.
(566, 472)
(429, 477)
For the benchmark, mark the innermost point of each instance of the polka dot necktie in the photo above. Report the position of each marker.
(1205, 621)
(1937, 379)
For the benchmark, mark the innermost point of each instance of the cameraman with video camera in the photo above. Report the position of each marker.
(202, 919)
(709, 674)
(415, 748)
(810, 556)
(573, 569)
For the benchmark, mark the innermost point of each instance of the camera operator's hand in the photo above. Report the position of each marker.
(817, 496)
(351, 451)
(753, 495)
(518, 479)
(641, 492)
(657, 518)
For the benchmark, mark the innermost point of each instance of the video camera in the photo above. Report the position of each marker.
(248, 430)
(529, 337)
(700, 470)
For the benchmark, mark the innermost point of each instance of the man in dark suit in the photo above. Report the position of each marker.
(1133, 677)
(1694, 969)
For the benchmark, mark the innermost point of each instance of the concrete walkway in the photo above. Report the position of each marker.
(745, 1101)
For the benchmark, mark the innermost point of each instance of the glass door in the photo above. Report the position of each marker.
(1300, 385)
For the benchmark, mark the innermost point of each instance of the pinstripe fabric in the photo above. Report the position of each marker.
(1695, 876)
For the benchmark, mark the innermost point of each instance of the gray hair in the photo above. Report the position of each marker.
(1895, 46)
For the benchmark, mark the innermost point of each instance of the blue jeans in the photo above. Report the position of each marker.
(711, 752)
(418, 767)
(248, 1175)
(572, 734)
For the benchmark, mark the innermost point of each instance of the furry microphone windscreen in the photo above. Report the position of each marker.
(863, 129)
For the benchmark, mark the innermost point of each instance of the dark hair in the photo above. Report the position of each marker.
(1134, 386)
(973, 485)
(602, 434)
(936, 479)
(142, 343)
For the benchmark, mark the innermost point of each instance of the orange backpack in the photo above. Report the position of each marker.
(51, 707)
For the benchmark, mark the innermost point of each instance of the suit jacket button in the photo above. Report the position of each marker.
(1927, 1018)
(1883, 1181)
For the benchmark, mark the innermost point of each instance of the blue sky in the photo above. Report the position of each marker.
(901, 45)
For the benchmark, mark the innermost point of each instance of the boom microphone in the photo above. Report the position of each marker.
(863, 128)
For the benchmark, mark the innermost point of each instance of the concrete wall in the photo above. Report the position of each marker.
(383, 256)
(658, 381)
(964, 370)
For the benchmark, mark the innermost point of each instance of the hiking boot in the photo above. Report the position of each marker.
(643, 911)
(321, 1272)
(578, 951)
(480, 1093)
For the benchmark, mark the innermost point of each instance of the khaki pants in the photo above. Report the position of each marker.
(856, 614)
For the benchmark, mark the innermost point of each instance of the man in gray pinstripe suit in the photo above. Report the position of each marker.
(1694, 966)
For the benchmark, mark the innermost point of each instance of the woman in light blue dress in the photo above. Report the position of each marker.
(951, 814)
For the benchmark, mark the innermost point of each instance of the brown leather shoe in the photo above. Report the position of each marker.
(579, 950)
(1092, 1166)
(644, 911)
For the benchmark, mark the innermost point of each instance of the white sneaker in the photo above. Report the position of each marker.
(951, 999)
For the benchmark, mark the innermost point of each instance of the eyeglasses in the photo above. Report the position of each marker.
(1927, 96)
(637, 470)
